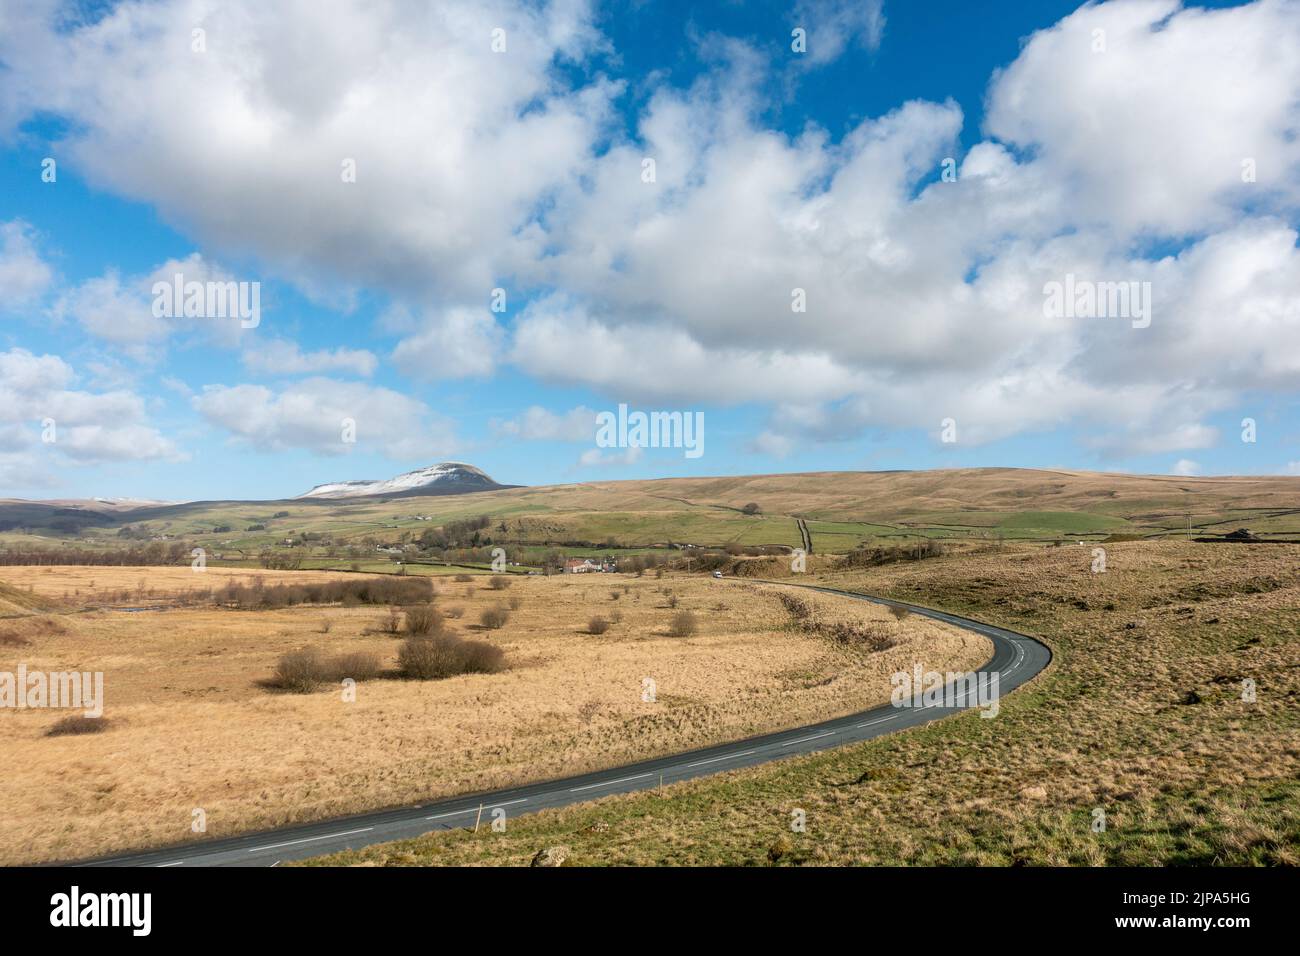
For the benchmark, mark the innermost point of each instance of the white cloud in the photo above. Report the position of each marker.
(595, 458)
(455, 343)
(772, 444)
(1186, 468)
(540, 424)
(924, 298)
(832, 25)
(24, 275)
(38, 401)
(1179, 98)
(120, 310)
(282, 357)
(243, 145)
(313, 415)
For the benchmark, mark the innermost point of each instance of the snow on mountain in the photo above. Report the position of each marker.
(447, 478)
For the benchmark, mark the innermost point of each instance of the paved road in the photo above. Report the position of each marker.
(1016, 658)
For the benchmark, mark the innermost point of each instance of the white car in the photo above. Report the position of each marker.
(717, 574)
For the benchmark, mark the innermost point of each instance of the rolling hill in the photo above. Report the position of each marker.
(843, 510)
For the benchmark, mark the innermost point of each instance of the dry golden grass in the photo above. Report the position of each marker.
(1141, 715)
(87, 585)
(193, 726)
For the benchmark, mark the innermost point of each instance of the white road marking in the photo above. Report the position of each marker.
(486, 806)
(327, 836)
(806, 739)
(177, 863)
(700, 763)
(872, 723)
(609, 783)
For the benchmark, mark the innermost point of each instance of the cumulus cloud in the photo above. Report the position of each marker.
(24, 274)
(451, 344)
(321, 415)
(120, 311)
(245, 144)
(1185, 468)
(541, 424)
(833, 278)
(47, 424)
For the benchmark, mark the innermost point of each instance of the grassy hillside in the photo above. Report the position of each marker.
(844, 510)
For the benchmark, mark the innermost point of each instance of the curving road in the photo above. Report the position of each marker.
(1016, 658)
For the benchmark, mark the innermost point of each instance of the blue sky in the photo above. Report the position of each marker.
(522, 169)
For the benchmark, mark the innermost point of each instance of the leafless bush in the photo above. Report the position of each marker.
(900, 613)
(423, 620)
(359, 666)
(463, 578)
(684, 624)
(597, 625)
(446, 656)
(516, 602)
(301, 671)
(77, 724)
(380, 589)
(499, 582)
(393, 623)
(494, 617)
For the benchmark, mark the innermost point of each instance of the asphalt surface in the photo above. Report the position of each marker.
(1016, 659)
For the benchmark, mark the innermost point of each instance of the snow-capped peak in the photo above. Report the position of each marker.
(448, 477)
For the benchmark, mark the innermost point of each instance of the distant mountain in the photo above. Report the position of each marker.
(447, 478)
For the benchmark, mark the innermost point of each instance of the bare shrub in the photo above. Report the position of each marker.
(359, 665)
(615, 595)
(494, 617)
(516, 602)
(301, 671)
(597, 625)
(326, 625)
(379, 589)
(900, 613)
(393, 623)
(683, 624)
(455, 613)
(616, 617)
(480, 657)
(672, 600)
(77, 724)
(463, 578)
(499, 582)
(423, 620)
(446, 656)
